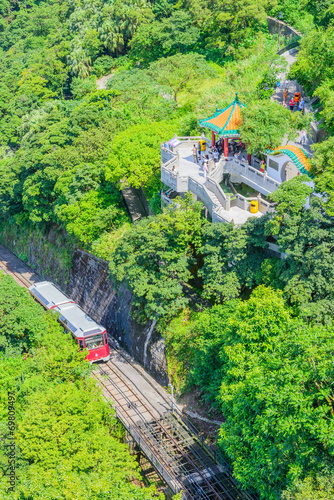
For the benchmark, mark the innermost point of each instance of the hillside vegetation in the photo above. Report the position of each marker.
(263, 353)
(68, 441)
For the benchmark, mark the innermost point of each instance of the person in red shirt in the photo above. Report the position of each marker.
(292, 104)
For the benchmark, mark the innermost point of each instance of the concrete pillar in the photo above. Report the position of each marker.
(226, 147)
(213, 138)
(228, 202)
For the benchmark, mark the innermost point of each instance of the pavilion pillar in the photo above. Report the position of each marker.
(249, 159)
(226, 147)
(213, 138)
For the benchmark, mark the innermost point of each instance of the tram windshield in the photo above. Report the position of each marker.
(94, 342)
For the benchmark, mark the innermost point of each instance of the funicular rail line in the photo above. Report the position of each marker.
(15, 267)
(211, 449)
(200, 476)
(152, 440)
(168, 440)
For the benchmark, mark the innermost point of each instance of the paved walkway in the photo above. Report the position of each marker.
(188, 168)
(102, 82)
(293, 86)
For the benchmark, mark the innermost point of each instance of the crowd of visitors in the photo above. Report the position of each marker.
(297, 101)
(208, 157)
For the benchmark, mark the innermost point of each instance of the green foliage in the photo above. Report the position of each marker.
(230, 258)
(155, 256)
(162, 38)
(322, 11)
(63, 179)
(306, 236)
(193, 343)
(314, 487)
(294, 13)
(315, 58)
(324, 170)
(231, 25)
(265, 125)
(68, 442)
(291, 198)
(176, 71)
(20, 318)
(100, 27)
(144, 100)
(135, 153)
(276, 394)
(67, 148)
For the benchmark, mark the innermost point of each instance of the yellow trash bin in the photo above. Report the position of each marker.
(203, 145)
(254, 206)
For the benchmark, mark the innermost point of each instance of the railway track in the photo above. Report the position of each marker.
(15, 267)
(175, 451)
(166, 437)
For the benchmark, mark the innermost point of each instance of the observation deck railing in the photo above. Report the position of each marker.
(210, 192)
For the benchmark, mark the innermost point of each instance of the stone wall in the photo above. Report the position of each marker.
(92, 289)
(275, 26)
(48, 253)
(85, 279)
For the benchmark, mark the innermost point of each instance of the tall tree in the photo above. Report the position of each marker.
(265, 124)
(135, 153)
(176, 71)
(323, 166)
(155, 256)
(276, 395)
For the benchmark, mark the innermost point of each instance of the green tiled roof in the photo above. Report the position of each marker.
(299, 156)
(225, 122)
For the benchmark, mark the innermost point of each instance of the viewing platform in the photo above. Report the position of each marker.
(180, 173)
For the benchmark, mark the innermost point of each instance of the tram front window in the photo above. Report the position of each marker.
(94, 342)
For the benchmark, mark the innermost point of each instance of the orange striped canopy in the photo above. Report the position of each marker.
(225, 122)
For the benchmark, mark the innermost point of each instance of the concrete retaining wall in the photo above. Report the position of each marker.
(91, 287)
(275, 26)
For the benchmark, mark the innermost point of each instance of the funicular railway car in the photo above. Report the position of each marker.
(83, 328)
(48, 295)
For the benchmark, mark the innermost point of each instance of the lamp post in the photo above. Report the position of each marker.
(280, 15)
(172, 389)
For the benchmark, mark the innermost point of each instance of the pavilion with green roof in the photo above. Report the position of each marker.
(225, 122)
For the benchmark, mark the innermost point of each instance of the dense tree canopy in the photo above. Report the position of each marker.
(68, 442)
(266, 124)
(69, 142)
(276, 394)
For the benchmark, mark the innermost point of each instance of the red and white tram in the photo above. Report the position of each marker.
(49, 295)
(83, 328)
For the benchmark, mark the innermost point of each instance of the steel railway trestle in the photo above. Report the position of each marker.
(175, 452)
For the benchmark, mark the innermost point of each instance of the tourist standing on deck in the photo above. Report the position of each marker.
(195, 154)
(292, 103)
(285, 95)
(301, 105)
(205, 167)
(303, 138)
